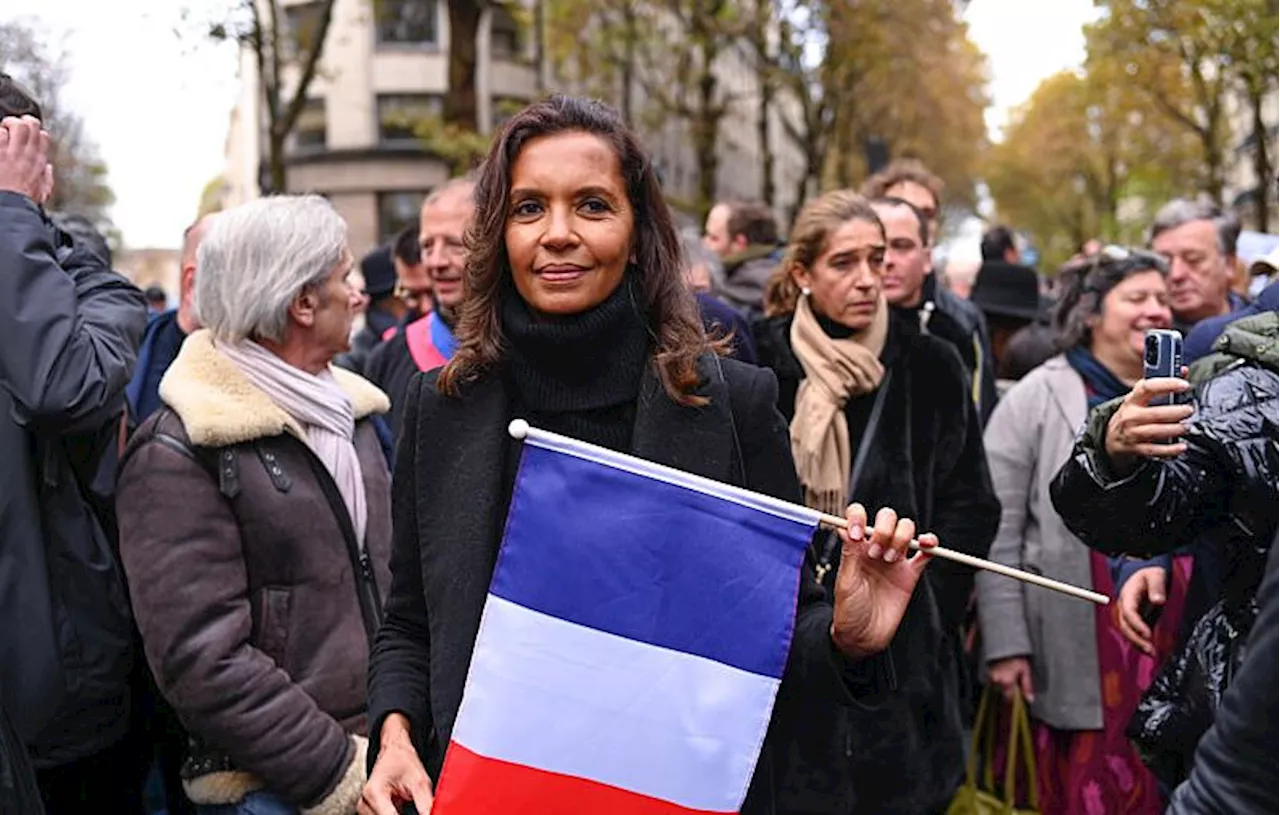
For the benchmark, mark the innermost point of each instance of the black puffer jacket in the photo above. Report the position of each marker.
(1223, 490)
(1235, 764)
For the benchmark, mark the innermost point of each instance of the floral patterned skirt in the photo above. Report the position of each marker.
(1096, 772)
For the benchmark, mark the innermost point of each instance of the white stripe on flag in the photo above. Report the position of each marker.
(564, 698)
(642, 467)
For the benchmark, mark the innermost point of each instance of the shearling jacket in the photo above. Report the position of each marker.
(255, 602)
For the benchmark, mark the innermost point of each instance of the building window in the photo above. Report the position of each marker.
(397, 210)
(400, 115)
(303, 23)
(309, 133)
(504, 35)
(407, 22)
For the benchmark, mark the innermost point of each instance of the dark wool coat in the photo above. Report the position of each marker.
(926, 461)
(453, 477)
(246, 582)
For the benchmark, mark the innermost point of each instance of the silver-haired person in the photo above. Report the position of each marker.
(255, 520)
(1198, 239)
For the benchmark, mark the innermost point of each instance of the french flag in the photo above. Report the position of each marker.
(632, 642)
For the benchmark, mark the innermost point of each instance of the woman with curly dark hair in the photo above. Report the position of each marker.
(577, 318)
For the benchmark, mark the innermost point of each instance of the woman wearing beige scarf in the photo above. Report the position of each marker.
(839, 352)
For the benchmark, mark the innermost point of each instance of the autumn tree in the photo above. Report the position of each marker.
(1179, 54)
(79, 173)
(903, 74)
(286, 44)
(1079, 152)
(658, 61)
(1255, 65)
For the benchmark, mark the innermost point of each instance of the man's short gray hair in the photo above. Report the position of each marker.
(257, 257)
(1181, 211)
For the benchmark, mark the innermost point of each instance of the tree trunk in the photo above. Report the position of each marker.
(706, 127)
(543, 80)
(630, 33)
(276, 176)
(1262, 168)
(765, 81)
(767, 191)
(460, 102)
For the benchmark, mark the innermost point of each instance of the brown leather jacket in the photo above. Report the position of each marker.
(246, 582)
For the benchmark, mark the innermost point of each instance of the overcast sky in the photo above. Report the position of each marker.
(159, 105)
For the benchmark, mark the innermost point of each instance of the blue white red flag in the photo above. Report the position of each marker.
(632, 642)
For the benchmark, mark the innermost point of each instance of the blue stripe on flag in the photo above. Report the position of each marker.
(652, 561)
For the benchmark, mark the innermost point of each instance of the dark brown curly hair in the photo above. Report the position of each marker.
(668, 306)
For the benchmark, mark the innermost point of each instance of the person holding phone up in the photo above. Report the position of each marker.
(1146, 479)
(1082, 678)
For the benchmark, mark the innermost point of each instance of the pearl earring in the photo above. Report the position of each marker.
(804, 290)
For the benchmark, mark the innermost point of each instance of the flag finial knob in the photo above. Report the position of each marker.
(518, 429)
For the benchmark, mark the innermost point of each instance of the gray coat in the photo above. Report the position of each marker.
(1029, 437)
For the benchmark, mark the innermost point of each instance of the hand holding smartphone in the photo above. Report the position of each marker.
(1162, 358)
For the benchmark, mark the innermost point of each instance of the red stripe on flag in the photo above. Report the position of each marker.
(471, 784)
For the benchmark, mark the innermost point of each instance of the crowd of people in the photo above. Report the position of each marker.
(246, 542)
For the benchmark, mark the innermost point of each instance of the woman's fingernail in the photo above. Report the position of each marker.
(890, 556)
(873, 551)
(855, 532)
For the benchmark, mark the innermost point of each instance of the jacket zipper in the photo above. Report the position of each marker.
(361, 564)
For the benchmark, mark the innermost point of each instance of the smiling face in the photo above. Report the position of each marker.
(844, 281)
(1134, 305)
(443, 223)
(570, 226)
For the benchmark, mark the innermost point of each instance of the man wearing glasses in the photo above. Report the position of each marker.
(940, 312)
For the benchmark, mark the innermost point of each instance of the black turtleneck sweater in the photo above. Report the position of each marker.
(578, 375)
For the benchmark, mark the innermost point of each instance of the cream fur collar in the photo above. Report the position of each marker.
(218, 405)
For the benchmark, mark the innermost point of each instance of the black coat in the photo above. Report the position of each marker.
(1220, 495)
(1235, 763)
(70, 329)
(450, 495)
(391, 366)
(927, 462)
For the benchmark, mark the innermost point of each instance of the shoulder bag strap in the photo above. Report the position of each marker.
(859, 462)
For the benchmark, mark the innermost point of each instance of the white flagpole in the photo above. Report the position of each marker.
(834, 521)
(521, 430)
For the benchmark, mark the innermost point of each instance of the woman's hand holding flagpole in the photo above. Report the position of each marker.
(843, 526)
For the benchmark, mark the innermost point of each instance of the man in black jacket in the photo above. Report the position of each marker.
(909, 186)
(70, 330)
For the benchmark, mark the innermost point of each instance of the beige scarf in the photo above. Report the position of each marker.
(835, 371)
